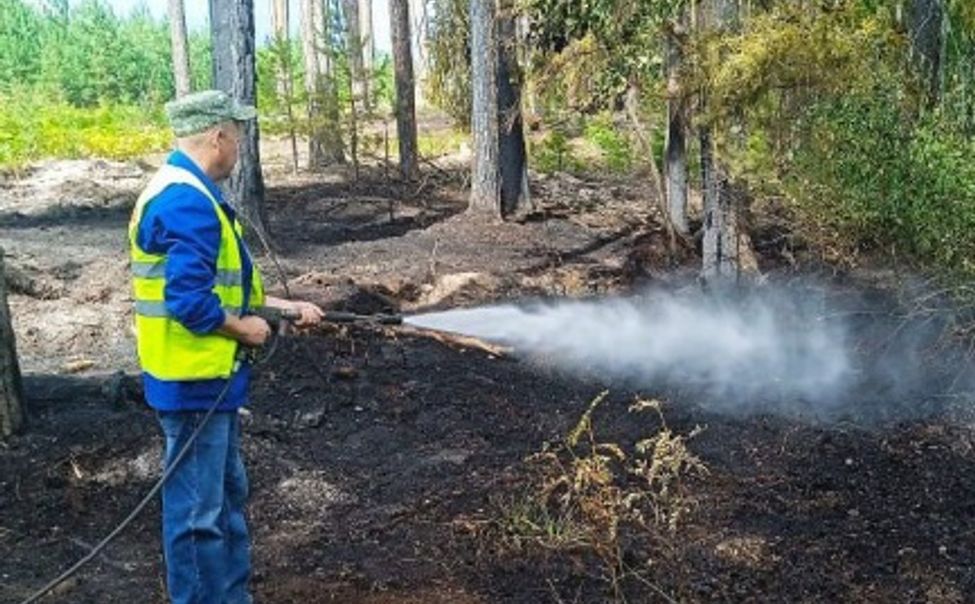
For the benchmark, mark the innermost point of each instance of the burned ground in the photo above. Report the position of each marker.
(382, 461)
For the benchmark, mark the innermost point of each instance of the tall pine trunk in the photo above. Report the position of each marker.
(232, 33)
(399, 15)
(720, 242)
(279, 27)
(512, 156)
(420, 20)
(675, 150)
(367, 37)
(360, 84)
(181, 54)
(485, 176)
(12, 415)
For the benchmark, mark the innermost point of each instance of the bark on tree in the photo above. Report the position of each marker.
(499, 179)
(720, 241)
(926, 23)
(360, 84)
(181, 54)
(675, 151)
(280, 19)
(12, 415)
(485, 176)
(325, 145)
(309, 37)
(399, 15)
(512, 155)
(368, 48)
(234, 71)
(421, 55)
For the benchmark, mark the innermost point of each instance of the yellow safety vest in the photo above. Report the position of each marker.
(167, 350)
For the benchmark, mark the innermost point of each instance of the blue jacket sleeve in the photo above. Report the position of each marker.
(181, 223)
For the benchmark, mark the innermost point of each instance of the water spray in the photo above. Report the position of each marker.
(769, 346)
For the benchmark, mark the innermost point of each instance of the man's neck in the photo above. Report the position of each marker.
(202, 161)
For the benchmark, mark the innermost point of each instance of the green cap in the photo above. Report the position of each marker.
(200, 111)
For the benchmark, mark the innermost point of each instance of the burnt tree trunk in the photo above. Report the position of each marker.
(720, 241)
(485, 175)
(232, 33)
(675, 150)
(512, 155)
(181, 54)
(399, 15)
(11, 391)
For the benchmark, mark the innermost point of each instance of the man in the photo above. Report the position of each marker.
(195, 285)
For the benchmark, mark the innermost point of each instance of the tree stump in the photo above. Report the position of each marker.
(11, 389)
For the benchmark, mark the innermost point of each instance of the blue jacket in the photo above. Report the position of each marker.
(180, 222)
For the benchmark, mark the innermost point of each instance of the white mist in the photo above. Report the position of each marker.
(774, 347)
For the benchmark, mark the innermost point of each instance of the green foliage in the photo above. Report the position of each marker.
(615, 147)
(596, 145)
(596, 49)
(552, 153)
(78, 81)
(87, 54)
(801, 53)
(33, 127)
(20, 42)
(280, 110)
(438, 143)
(868, 178)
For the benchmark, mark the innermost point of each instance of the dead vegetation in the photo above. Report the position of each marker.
(588, 496)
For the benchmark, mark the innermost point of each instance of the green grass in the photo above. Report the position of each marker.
(32, 128)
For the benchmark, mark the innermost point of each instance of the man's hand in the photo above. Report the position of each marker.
(310, 314)
(249, 330)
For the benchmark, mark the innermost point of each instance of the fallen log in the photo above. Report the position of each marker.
(454, 340)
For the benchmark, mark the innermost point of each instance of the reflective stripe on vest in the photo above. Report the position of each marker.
(157, 270)
(167, 350)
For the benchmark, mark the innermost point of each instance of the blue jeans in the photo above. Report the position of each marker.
(205, 537)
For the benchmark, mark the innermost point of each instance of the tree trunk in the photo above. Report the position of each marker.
(309, 39)
(333, 144)
(720, 242)
(12, 415)
(399, 16)
(926, 22)
(232, 33)
(675, 152)
(512, 156)
(360, 84)
(181, 54)
(325, 144)
(485, 176)
(421, 55)
(367, 37)
(279, 27)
